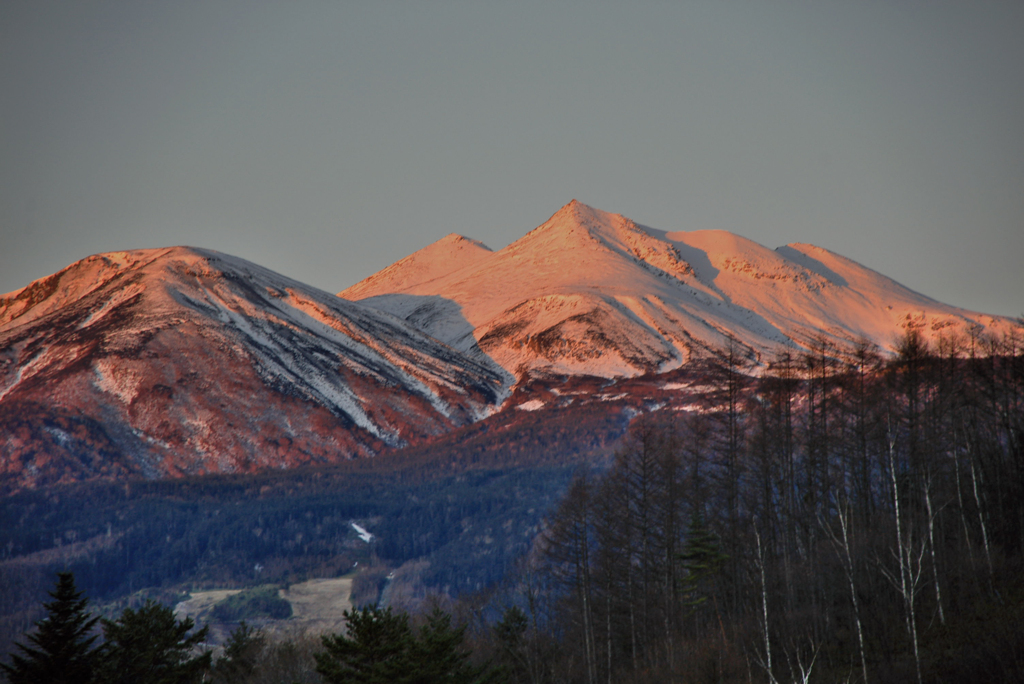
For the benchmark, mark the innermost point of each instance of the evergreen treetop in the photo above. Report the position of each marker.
(374, 651)
(380, 648)
(438, 655)
(61, 649)
(150, 645)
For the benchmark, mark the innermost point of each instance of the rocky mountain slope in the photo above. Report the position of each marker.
(180, 360)
(593, 293)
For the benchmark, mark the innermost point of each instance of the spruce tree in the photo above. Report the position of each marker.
(702, 560)
(149, 645)
(60, 651)
(510, 633)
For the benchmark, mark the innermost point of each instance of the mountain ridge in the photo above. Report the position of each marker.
(181, 360)
(185, 360)
(632, 299)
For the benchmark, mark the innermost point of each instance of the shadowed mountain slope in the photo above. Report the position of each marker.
(173, 361)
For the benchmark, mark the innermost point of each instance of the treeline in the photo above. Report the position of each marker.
(465, 530)
(221, 525)
(144, 645)
(458, 510)
(151, 646)
(839, 517)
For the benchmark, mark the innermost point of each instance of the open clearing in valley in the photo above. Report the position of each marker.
(199, 604)
(317, 607)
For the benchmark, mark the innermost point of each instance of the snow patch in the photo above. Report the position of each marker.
(62, 437)
(612, 397)
(363, 534)
(47, 359)
(119, 297)
(117, 378)
(531, 405)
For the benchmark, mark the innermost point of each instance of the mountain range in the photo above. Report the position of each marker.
(176, 361)
(593, 293)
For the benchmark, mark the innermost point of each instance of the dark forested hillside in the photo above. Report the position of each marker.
(459, 511)
(840, 518)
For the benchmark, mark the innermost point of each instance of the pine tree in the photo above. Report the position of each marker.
(61, 649)
(375, 650)
(150, 645)
(438, 657)
(380, 648)
(241, 653)
(510, 634)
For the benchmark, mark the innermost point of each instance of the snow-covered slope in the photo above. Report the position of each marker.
(449, 254)
(185, 360)
(181, 360)
(594, 293)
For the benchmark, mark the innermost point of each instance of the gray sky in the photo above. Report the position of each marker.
(327, 140)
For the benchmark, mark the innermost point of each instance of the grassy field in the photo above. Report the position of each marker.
(317, 607)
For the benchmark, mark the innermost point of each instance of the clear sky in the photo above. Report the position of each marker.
(326, 140)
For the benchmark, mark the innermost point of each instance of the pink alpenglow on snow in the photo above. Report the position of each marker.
(182, 361)
(594, 293)
(177, 361)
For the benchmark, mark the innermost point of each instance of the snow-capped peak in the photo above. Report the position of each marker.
(593, 292)
(195, 361)
(449, 254)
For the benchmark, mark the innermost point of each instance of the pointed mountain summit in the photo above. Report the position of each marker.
(594, 293)
(181, 360)
(449, 254)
